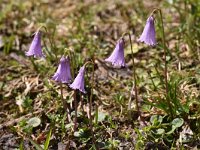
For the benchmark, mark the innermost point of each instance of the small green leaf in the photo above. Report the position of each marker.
(178, 122)
(156, 119)
(186, 108)
(172, 130)
(37, 146)
(69, 125)
(46, 144)
(34, 122)
(136, 48)
(169, 138)
(101, 116)
(160, 131)
(21, 145)
(79, 133)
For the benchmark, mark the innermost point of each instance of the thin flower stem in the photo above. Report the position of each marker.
(73, 65)
(165, 59)
(96, 114)
(63, 101)
(34, 65)
(50, 40)
(165, 55)
(134, 73)
(76, 105)
(49, 37)
(81, 100)
(90, 100)
(70, 53)
(165, 51)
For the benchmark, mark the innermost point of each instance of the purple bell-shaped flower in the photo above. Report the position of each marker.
(35, 48)
(117, 56)
(79, 82)
(63, 73)
(149, 34)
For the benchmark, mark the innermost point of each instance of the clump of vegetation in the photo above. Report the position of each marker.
(143, 95)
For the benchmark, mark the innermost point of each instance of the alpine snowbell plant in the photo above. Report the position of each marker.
(35, 48)
(117, 56)
(134, 73)
(117, 59)
(149, 35)
(79, 84)
(63, 75)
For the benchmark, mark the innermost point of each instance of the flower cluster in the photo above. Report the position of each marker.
(148, 37)
(117, 59)
(63, 73)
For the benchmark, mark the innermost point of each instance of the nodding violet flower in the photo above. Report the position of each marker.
(63, 73)
(117, 56)
(79, 83)
(35, 48)
(149, 34)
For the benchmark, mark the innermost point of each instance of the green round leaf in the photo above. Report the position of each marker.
(172, 130)
(156, 119)
(178, 122)
(69, 125)
(101, 116)
(34, 122)
(77, 134)
(160, 131)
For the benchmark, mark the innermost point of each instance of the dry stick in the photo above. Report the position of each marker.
(63, 101)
